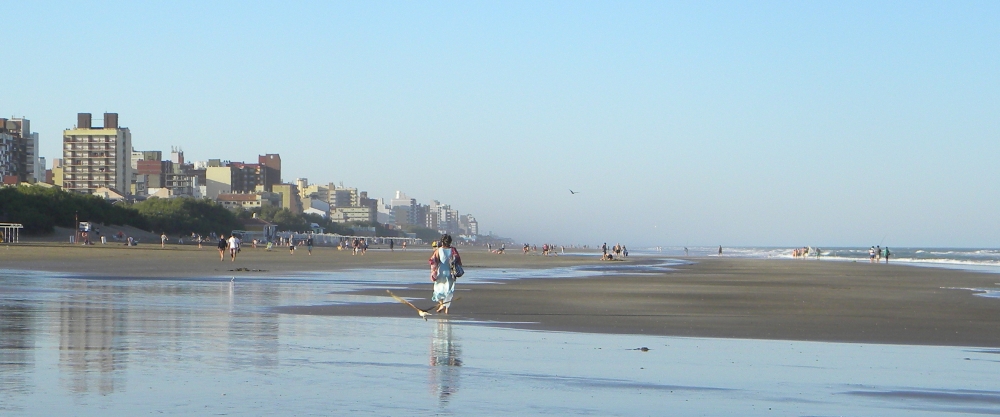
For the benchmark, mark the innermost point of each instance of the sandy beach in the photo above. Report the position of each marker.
(804, 300)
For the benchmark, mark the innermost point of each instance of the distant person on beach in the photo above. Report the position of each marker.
(163, 240)
(886, 255)
(222, 247)
(720, 250)
(309, 245)
(442, 263)
(871, 255)
(391, 245)
(878, 253)
(234, 247)
(685, 251)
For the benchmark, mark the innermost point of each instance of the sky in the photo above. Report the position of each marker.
(679, 123)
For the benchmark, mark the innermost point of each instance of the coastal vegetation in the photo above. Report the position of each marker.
(41, 209)
(186, 215)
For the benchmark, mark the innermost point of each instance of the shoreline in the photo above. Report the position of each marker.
(774, 299)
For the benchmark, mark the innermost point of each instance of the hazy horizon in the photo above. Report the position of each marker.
(679, 124)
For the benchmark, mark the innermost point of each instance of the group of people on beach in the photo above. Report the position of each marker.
(497, 251)
(360, 246)
(232, 245)
(805, 252)
(617, 252)
(547, 249)
(876, 253)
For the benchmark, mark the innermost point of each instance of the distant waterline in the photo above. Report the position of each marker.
(974, 259)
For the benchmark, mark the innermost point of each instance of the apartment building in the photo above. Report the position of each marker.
(19, 160)
(95, 157)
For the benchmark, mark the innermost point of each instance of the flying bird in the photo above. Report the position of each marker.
(574, 192)
(423, 313)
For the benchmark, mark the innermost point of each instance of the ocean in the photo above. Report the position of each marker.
(974, 259)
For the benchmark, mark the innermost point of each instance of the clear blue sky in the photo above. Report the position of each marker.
(695, 123)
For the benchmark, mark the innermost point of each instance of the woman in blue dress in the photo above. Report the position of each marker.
(442, 263)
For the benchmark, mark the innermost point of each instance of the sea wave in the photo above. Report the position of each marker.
(978, 259)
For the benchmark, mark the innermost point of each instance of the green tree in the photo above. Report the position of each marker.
(40, 209)
(187, 215)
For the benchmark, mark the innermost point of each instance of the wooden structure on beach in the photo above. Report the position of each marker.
(10, 232)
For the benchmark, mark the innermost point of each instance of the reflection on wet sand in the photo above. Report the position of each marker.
(445, 362)
(98, 347)
(17, 343)
(103, 327)
(91, 330)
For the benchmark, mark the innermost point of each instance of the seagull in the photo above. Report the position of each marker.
(574, 192)
(423, 313)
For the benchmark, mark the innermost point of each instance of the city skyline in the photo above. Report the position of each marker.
(829, 124)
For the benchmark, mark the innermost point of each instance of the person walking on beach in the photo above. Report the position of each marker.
(309, 245)
(443, 262)
(720, 250)
(234, 246)
(222, 247)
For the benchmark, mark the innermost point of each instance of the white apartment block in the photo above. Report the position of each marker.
(352, 214)
(95, 157)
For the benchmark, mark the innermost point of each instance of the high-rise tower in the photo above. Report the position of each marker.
(95, 157)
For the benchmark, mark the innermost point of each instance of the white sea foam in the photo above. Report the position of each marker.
(976, 259)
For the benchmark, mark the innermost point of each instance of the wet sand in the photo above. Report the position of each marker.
(180, 261)
(729, 298)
